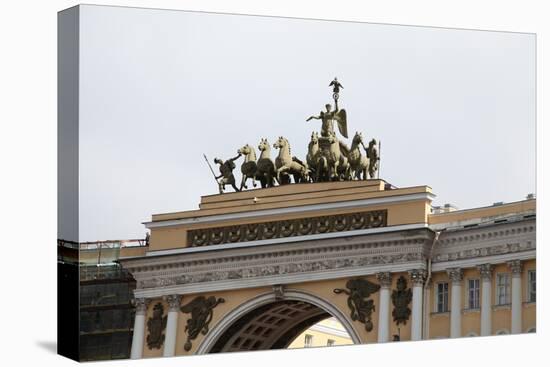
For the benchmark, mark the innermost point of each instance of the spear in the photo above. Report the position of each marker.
(209, 166)
(379, 156)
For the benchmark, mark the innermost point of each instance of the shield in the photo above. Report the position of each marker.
(341, 119)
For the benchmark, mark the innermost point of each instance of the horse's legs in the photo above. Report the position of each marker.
(270, 180)
(282, 169)
(235, 186)
(243, 182)
(334, 173)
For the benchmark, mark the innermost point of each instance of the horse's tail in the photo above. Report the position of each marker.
(344, 149)
(322, 163)
(297, 160)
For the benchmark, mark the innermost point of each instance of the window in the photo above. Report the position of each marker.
(330, 343)
(503, 289)
(442, 299)
(473, 293)
(308, 341)
(532, 286)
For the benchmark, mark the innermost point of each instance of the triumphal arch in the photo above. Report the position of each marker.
(323, 236)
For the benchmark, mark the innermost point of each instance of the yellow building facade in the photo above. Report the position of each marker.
(258, 269)
(326, 333)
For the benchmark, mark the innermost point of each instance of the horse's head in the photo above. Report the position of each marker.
(332, 137)
(315, 137)
(280, 143)
(358, 138)
(245, 150)
(264, 145)
(372, 143)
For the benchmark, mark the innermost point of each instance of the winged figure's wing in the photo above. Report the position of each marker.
(368, 287)
(191, 305)
(342, 120)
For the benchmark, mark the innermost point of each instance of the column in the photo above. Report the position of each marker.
(139, 327)
(171, 325)
(426, 314)
(486, 275)
(417, 278)
(455, 275)
(516, 268)
(384, 307)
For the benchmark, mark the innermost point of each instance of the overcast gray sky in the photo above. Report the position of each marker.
(454, 109)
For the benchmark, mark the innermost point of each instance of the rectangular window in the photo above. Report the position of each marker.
(442, 297)
(503, 289)
(532, 286)
(473, 293)
(308, 341)
(330, 343)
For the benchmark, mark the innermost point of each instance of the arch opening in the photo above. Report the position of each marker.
(268, 323)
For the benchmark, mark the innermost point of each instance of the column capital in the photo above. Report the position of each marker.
(455, 274)
(418, 276)
(141, 305)
(174, 301)
(384, 278)
(486, 271)
(516, 266)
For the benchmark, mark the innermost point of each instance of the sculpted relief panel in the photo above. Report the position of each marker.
(156, 326)
(287, 228)
(361, 306)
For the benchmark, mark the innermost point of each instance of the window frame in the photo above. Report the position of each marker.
(445, 300)
(468, 295)
(529, 287)
(308, 341)
(331, 342)
(507, 288)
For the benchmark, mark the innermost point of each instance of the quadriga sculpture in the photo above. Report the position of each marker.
(265, 171)
(286, 165)
(358, 162)
(249, 167)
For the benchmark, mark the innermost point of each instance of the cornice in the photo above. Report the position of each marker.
(397, 244)
(362, 203)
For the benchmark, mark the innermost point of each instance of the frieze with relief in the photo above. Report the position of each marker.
(287, 228)
(485, 251)
(280, 269)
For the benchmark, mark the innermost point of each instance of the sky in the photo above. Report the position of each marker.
(454, 109)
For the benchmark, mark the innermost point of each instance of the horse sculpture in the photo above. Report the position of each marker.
(286, 165)
(249, 167)
(359, 163)
(265, 171)
(337, 161)
(314, 159)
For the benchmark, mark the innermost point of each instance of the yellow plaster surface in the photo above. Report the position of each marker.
(485, 212)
